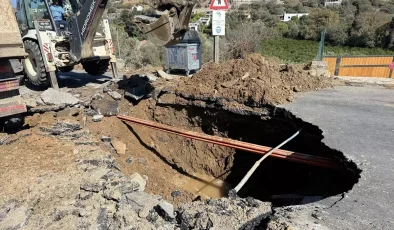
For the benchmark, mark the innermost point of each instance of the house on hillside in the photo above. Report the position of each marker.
(332, 3)
(138, 8)
(193, 26)
(287, 16)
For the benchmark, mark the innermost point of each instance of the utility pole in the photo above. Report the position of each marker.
(117, 40)
(216, 54)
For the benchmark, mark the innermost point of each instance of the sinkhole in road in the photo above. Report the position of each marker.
(279, 181)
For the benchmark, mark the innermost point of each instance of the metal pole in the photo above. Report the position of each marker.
(251, 171)
(216, 49)
(117, 39)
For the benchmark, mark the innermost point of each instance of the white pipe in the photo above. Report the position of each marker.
(251, 171)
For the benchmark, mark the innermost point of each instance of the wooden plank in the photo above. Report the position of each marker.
(331, 61)
(382, 72)
(366, 60)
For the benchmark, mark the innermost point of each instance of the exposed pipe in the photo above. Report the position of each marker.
(256, 165)
(282, 154)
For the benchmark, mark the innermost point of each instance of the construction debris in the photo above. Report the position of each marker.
(97, 118)
(119, 146)
(78, 173)
(115, 95)
(56, 97)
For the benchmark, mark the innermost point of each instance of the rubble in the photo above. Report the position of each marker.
(97, 118)
(3, 138)
(115, 95)
(62, 127)
(105, 107)
(138, 180)
(56, 97)
(223, 213)
(167, 210)
(119, 146)
(105, 139)
(136, 87)
(164, 75)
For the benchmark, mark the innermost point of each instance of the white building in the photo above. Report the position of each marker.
(193, 26)
(287, 16)
(332, 2)
(204, 20)
(138, 8)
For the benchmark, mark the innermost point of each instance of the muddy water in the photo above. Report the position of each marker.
(204, 185)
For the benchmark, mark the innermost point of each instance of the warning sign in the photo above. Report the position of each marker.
(218, 5)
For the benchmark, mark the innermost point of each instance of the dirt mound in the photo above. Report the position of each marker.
(252, 81)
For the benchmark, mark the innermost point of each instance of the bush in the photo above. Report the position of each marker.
(111, 10)
(135, 55)
(207, 47)
(246, 38)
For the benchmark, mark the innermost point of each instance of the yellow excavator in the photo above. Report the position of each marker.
(45, 47)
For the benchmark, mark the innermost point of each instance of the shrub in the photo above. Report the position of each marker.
(246, 38)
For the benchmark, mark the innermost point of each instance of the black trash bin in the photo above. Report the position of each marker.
(185, 55)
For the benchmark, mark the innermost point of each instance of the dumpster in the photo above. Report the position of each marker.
(186, 55)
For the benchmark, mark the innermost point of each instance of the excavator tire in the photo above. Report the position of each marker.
(66, 69)
(96, 68)
(34, 66)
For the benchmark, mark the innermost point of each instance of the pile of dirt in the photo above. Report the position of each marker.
(252, 81)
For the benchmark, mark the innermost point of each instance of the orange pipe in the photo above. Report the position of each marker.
(259, 149)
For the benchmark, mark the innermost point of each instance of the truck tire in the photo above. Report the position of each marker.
(66, 69)
(96, 68)
(34, 64)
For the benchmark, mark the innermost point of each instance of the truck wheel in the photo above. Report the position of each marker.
(66, 69)
(96, 68)
(34, 65)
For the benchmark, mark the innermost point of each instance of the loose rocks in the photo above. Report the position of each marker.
(115, 95)
(56, 97)
(137, 179)
(106, 107)
(167, 210)
(97, 118)
(119, 146)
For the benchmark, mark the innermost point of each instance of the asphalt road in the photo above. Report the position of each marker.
(359, 121)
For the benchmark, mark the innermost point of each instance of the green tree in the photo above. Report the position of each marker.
(294, 30)
(282, 27)
(364, 31)
(316, 21)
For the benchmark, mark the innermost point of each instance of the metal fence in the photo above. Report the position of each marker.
(360, 66)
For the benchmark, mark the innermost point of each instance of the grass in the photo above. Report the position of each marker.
(302, 51)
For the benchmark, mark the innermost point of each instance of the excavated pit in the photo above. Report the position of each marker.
(279, 181)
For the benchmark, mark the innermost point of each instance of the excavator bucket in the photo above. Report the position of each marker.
(170, 28)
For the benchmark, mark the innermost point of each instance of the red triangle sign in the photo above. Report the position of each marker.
(218, 5)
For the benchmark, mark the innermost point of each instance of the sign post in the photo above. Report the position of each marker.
(218, 8)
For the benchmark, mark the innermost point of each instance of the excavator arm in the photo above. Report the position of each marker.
(170, 28)
(166, 30)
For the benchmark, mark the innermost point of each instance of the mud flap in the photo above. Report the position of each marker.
(10, 100)
(11, 106)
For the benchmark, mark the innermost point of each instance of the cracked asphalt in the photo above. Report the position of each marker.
(359, 121)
